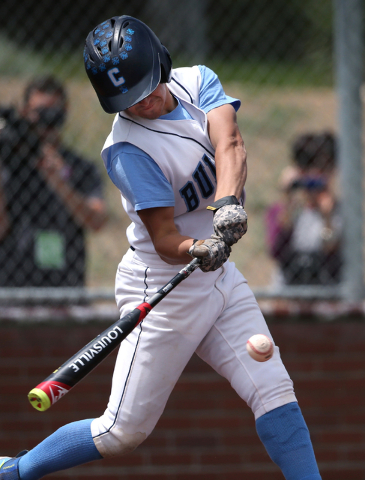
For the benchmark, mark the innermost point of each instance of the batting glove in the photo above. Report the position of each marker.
(212, 252)
(230, 219)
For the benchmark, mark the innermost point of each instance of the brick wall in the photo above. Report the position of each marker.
(205, 431)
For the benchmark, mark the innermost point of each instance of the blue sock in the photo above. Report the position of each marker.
(69, 446)
(285, 435)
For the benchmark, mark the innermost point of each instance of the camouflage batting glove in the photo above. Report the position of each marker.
(230, 219)
(212, 252)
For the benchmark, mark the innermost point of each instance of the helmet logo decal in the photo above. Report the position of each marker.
(117, 82)
(120, 55)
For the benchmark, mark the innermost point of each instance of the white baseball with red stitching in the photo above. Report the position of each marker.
(260, 347)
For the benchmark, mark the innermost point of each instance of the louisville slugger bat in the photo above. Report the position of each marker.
(83, 362)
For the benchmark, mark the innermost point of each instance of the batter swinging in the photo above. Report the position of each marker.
(176, 154)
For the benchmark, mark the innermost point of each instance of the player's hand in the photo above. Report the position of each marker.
(230, 223)
(212, 252)
(230, 219)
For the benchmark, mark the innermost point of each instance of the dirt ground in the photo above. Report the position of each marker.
(269, 120)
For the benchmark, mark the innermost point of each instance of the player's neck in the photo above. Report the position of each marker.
(171, 103)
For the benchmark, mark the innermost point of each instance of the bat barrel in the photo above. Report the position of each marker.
(46, 394)
(60, 382)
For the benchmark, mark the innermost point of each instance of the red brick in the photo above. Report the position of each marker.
(340, 438)
(220, 458)
(207, 431)
(197, 440)
(338, 473)
(172, 459)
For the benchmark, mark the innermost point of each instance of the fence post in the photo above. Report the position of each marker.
(348, 15)
(181, 27)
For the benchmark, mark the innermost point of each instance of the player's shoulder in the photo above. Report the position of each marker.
(197, 75)
(185, 82)
(182, 72)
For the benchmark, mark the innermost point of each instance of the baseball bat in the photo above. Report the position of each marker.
(60, 382)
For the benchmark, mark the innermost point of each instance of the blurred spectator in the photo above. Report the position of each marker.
(304, 227)
(49, 195)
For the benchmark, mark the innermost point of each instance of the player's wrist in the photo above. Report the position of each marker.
(230, 223)
(228, 200)
(212, 252)
(191, 248)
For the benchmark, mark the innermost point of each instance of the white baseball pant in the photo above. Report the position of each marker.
(212, 314)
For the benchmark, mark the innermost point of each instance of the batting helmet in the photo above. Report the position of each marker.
(125, 62)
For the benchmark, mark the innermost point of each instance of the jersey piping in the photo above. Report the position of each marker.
(168, 133)
(130, 366)
(185, 90)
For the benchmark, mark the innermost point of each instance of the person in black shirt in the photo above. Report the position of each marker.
(49, 195)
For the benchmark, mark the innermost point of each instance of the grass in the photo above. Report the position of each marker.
(266, 74)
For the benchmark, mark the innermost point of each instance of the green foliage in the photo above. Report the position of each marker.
(265, 73)
(278, 30)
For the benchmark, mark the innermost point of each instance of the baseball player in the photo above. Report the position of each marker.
(176, 155)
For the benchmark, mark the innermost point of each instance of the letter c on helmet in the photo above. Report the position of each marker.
(117, 82)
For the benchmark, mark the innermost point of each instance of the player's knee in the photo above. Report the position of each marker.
(116, 442)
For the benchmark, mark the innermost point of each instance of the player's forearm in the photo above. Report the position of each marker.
(230, 152)
(231, 167)
(172, 248)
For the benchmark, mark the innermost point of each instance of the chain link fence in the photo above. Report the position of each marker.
(61, 219)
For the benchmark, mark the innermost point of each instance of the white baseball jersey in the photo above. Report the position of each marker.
(184, 153)
(212, 314)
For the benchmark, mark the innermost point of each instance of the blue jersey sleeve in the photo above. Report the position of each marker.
(211, 93)
(138, 177)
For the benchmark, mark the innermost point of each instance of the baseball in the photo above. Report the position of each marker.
(260, 347)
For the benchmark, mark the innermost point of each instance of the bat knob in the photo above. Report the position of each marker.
(39, 399)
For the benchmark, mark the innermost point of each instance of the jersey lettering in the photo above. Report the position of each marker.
(205, 185)
(117, 82)
(190, 196)
(211, 165)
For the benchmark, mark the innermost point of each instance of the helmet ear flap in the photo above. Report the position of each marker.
(166, 65)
